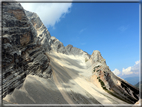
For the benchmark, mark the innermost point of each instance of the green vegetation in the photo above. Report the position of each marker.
(104, 72)
(96, 67)
(98, 77)
(86, 59)
(98, 70)
(102, 84)
(117, 96)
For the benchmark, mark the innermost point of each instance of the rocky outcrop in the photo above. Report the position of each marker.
(22, 51)
(76, 51)
(138, 103)
(43, 34)
(110, 82)
(58, 46)
(96, 57)
(24, 42)
(52, 43)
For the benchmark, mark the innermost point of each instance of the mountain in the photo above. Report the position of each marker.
(132, 80)
(39, 69)
(22, 52)
(139, 83)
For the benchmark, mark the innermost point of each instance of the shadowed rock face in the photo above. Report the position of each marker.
(22, 52)
(43, 34)
(110, 82)
(52, 43)
(25, 41)
(57, 46)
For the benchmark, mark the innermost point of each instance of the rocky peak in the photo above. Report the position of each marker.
(110, 82)
(77, 52)
(25, 41)
(57, 46)
(96, 57)
(22, 52)
(43, 34)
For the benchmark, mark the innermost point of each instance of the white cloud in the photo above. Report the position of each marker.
(116, 72)
(132, 70)
(137, 62)
(49, 13)
(127, 71)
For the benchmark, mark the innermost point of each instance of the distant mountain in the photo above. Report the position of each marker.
(132, 80)
(137, 85)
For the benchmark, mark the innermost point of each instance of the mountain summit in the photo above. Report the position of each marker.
(39, 69)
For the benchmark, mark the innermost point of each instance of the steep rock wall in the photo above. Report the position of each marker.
(110, 82)
(22, 52)
(42, 33)
(51, 43)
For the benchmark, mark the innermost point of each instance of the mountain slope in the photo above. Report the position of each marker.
(139, 83)
(38, 69)
(67, 85)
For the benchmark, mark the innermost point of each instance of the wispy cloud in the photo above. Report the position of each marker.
(83, 43)
(123, 28)
(82, 30)
(49, 13)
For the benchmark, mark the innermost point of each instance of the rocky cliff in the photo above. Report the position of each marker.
(58, 46)
(22, 51)
(24, 42)
(43, 34)
(51, 43)
(110, 82)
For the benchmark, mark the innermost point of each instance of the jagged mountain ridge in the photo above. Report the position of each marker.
(31, 50)
(52, 42)
(22, 53)
(58, 46)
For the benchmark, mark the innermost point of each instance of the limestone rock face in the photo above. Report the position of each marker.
(43, 34)
(76, 51)
(22, 52)
(57, 46)
(52, 43)
(96, 57)
(110, 82)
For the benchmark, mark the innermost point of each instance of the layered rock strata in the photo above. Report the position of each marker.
(22, 52)
(110, 82)
(43, 34)
(25, 41)
(51, 43)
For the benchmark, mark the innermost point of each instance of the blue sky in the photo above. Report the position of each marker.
(111, 28)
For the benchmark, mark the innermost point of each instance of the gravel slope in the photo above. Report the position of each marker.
(69, 84)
